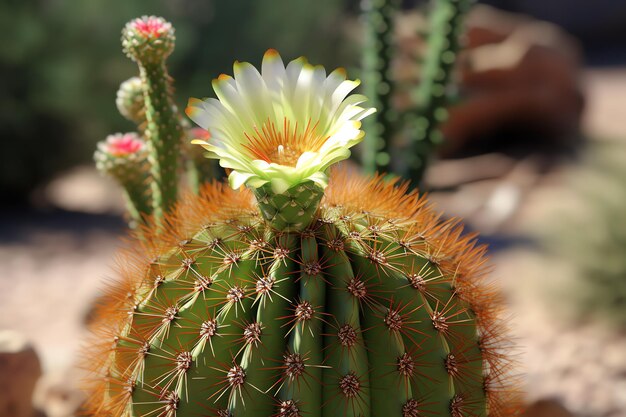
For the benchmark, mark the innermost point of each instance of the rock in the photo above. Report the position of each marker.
(19, 371)
(58, 394)
(517, 76)
(82, 189)
(546, 408)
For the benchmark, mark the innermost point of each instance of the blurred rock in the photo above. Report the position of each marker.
(82, 189)
(519, 81)
(547, 408)
(19, 371)
(485, 190)
(519, 84)
(58, 395)
(454, 172)
(606, 96)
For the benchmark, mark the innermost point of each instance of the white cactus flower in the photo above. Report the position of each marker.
(282, 126)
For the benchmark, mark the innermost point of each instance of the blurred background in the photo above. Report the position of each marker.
(535, 160)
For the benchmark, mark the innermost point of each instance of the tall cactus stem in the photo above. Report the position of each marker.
(443, 44)
(131, 104)
(377, 82)
(164, 135)
(123, 157)
(149, 41)
(138, 202)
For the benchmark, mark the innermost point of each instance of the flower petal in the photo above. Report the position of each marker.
(271, 108)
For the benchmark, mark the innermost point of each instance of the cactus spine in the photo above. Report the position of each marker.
(307, 293)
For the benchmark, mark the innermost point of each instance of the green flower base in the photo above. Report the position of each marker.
(292, 211)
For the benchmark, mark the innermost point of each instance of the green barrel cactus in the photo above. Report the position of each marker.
(300, 290)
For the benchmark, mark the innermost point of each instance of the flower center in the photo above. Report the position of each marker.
(124, 145)
(150, 27)
(283, 146)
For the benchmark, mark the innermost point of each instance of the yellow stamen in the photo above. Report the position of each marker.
(285, 146)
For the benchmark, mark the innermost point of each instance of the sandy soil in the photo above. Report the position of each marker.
(52, 267)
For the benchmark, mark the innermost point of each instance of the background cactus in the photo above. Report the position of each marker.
(198, 170)
(417, 127)
(378, 83)
(588, 227)
(130, 102)
(165, 134)
(433, 92)
(294, 298)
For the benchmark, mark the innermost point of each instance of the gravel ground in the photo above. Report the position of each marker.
(583, 366)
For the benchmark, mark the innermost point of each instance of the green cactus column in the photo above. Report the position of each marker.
(149, 41)
(378, 82)
(443, 44)
(131, 104)
(124, 157)
(200, 170)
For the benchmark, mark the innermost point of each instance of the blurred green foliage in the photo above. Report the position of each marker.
(61, 65)
(591, 237)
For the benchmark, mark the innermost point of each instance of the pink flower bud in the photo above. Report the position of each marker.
(124, 144)
(150, 26)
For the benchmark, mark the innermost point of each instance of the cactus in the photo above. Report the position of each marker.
(431, 96)
(147, 101)
(420, 123)
(124, 157)
(198, 170)
(130, 102)
(588, 227)
(149, 41)
(378, 84)
(301, 290)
